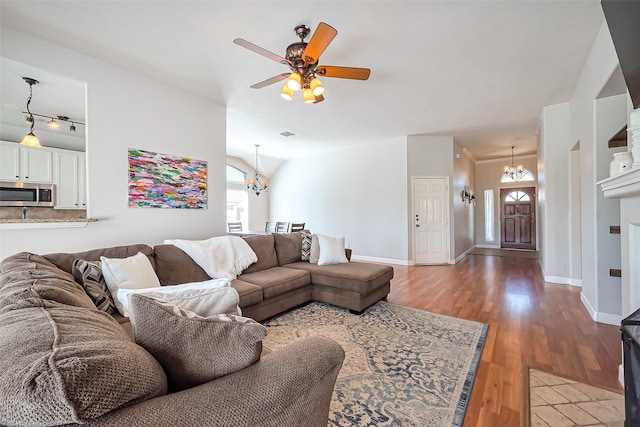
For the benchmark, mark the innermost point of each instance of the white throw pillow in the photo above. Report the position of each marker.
(206, 298)
(331, 250)
(135, 272)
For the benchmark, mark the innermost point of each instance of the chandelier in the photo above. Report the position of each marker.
(513, 172)
(257, 183)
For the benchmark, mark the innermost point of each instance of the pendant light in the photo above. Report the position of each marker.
(30, 139)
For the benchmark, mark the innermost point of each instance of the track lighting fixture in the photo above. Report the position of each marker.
(52, 121)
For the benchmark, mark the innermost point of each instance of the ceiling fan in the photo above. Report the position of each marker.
(302, 59)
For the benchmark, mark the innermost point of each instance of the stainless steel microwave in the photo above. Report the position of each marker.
(27, 194)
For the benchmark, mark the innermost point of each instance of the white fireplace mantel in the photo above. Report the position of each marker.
(624, 185)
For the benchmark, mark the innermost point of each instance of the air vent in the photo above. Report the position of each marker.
(286, 133)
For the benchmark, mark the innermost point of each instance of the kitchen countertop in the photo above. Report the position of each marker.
(19, 223)
(36, 220)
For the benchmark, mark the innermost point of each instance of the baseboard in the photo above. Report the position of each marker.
(381, 260)
(558, 279)
(459, 258)
(576, 282)
(485, 246)
(607, 318)
(587, 305)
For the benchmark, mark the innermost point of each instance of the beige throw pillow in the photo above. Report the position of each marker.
(193, 349)
(314, 255)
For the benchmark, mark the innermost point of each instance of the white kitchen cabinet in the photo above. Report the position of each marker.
(70, 180)
(9, 161)
(37, 165)
(25, 164)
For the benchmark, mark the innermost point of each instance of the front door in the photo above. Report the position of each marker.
(518, 222)
(431, 220)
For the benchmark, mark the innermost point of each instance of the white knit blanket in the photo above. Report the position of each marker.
(220, 257)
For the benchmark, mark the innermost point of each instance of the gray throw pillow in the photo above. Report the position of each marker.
(193, 349)
(89, 275)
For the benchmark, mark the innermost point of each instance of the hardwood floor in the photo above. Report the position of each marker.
(530, 322)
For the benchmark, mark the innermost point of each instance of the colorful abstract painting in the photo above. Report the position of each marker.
(164, 181)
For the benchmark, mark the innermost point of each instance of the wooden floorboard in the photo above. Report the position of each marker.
(530, 322)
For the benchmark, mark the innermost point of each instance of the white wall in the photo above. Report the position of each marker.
(488, 174)
(359, 193)
(553, 200)
(576, 218)
(125, 110)
(610, 117)
(598, 68)
(463, 215)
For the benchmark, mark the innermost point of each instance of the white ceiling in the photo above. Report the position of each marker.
(478, 70)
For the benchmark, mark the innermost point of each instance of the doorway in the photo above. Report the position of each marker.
(517, 219)
(431, 220)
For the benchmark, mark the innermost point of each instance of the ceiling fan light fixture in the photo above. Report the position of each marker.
(287, 92)
(309, 98)
(319, 98)
(295, 81)
(316, 86)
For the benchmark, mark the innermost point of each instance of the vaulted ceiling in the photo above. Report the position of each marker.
(480, 71)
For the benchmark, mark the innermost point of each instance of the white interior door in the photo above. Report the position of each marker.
(431, 220)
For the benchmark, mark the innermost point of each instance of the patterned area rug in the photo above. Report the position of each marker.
(554, 401)
(403, 367)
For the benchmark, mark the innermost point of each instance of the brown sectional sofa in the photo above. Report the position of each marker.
(280, 280)
(55, 346)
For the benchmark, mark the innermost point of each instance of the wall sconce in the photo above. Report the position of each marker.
(467, 197)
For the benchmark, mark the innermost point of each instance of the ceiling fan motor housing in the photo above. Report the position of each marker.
(302, 31)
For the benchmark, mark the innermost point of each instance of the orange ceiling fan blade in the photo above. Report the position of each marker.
(323, 35)
(343, 72)
(260, 51)
(272, 80)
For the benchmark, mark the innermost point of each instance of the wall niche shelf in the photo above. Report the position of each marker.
(619, 139)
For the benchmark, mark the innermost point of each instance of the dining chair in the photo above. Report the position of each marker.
(234, 226)
(282, 227)
(270, 227)
(297, 226)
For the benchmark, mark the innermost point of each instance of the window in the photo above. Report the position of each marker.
(526, 176)
(489, 232)
(517, 196)
(237, 197)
